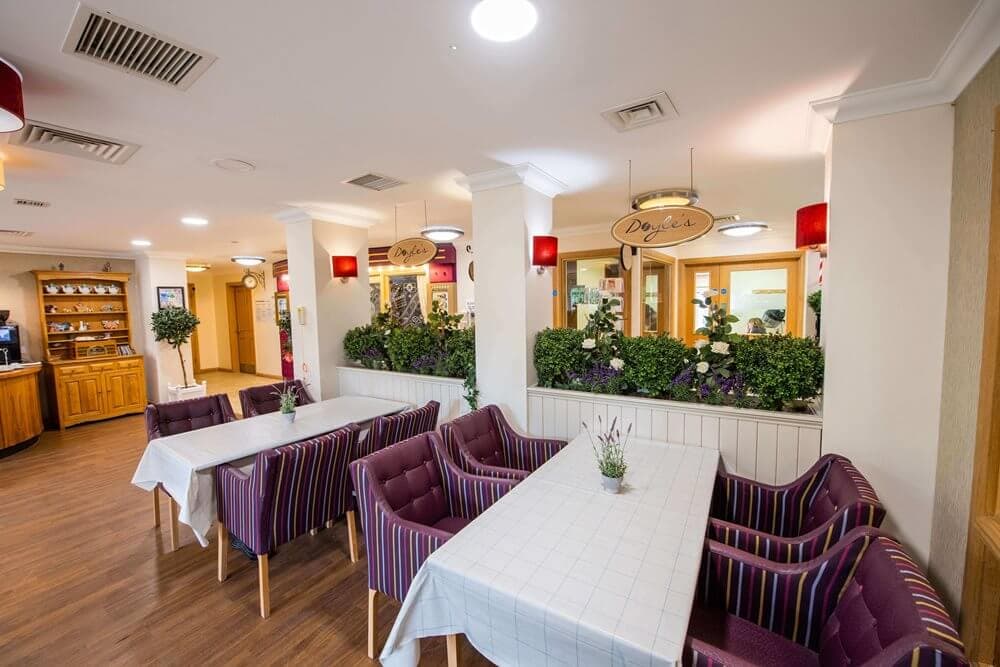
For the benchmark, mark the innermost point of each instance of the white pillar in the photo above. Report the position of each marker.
(513, 302)
(323, 307)
(163, 367)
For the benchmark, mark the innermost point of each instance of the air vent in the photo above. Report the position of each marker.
(376, 182)
(15, 233)
(63, 140)
(106, 39)
(32, 203)
(640, 113)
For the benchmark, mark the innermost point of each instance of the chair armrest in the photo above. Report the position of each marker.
(468, 495)
(524, 452)
(241, 505)
(496, 472)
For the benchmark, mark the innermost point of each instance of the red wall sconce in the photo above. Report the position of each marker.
(11, 98)
(345, 267)
(810, 227)
(544, 252)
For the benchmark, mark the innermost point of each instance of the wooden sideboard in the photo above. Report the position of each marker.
(87, 391)
(20, 407)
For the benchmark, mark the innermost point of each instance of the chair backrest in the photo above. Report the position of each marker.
(843, 488)
(163, 419)
(889, 611)
(479, 433)
(264, 399)
(389, 430)
(407, 478)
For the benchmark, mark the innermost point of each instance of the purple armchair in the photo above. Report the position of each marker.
(264, 399)
(291, 490)
(412, 499)
(798, 521)
(163, 419)
(483, 443)
(863, 602)
(389, 430)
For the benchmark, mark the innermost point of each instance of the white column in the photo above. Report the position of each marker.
(163, 367)
(323, 307)
(884, 303)
(513, 302)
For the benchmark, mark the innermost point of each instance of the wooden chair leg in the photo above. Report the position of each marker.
(156, 506)
(314, 531)
(352, 536)
(329, 524)
(265, 586)
(223, 540)
(174, 530)
(372, 601)
(452, 642)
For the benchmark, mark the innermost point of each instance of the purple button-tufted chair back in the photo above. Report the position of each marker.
(410, 481)
(481, 435)
(264, 399)
(843, 486)
(163, 419)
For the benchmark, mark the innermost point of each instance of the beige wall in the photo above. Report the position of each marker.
(970, 216)
(18, 293)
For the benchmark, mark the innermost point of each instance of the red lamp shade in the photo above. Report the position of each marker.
(810, 226)
(11, 100)
(345, 266)
(545, 250)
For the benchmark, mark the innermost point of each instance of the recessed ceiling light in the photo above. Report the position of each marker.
(453, 47)
(248, 260)
(442, 233)
(141, 243)
(197, 268)
(665, 197)
(503, 20)
(194, 221)
(733, 226)
(234, 165)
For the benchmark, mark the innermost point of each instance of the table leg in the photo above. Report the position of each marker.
(156, 506)
(223, 535)
(452, 641)
(352, 536)
(174, 530)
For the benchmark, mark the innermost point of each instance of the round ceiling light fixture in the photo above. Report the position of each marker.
(248, 260)
(731, 225)
(141, 243)
(234, 165)
(665, 197)
(503, 20)
(197, 268)
(442, 233)
(194, 221)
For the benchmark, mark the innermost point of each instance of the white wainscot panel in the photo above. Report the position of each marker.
(409, 388)
(769, 447)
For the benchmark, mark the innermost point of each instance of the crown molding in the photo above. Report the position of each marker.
(294, 215)
(164, 254)
(518, 174)
(68, 252)
(974, 44)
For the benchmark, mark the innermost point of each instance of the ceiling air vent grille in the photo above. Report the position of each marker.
(75, 143)
(104, 38)
(32, 203)
(15, 233)
(640, 113)
(376, 182)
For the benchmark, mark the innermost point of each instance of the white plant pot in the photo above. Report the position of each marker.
(178, 393)
(611, 484)
(289, 417)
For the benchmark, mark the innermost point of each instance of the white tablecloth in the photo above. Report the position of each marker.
(560, 572)
(185, 463)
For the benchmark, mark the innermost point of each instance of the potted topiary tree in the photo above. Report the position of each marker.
(174, 326)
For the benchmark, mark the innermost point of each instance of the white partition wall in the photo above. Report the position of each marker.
(770, 447)
(407, 387)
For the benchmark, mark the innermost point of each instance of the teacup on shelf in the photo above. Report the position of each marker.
(52, 289)
(85, 289)
(100, 289)
(113, 289)
(68, 289)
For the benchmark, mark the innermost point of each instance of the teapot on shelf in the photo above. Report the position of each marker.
(52, 288)
(113, 289)
(68, 289)
(84, 289)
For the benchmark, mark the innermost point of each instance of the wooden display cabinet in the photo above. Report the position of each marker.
(91, 369)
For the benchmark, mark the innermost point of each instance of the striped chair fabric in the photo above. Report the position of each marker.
(290, 491)
(389, 430)
(862, 602)
(796, 522)
(264, 400)
(483, 443)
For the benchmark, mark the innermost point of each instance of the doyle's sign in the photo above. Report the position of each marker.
(662, 227)
(412, 252)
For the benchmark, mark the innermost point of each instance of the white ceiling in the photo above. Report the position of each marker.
(316, 92)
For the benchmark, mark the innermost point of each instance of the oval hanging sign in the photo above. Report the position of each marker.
(662, 227)
(412, 252)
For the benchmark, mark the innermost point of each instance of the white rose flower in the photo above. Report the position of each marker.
(617, 364)
(702, 367)
(698, 344)
(720, 347)
(589, 343)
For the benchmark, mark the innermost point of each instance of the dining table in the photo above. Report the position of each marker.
(184, 464)
(559, 571)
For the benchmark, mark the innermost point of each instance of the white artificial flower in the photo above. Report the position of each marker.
(720, 347)
(617, 364)
(698, 344)
(589, 343)
(702, 367)
(388, 331)
(711, 292)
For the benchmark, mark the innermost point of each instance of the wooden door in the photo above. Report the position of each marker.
(241, 336)
(697, 279)
(80, 398)
(123, 391)
(22, 419)
(195, 350)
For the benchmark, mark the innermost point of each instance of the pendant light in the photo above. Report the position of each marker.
(732, 225)
(11, 98)
(668, 196)
(440, 233)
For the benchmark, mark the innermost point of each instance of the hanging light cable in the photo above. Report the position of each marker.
(440, 233)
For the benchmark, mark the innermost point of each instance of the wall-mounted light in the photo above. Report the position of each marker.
(11, 98)
(810, 227)
(345, 267)
(544, 252)
(3, 181)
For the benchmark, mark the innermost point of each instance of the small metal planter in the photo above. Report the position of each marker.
(611, 484)
(289, 417)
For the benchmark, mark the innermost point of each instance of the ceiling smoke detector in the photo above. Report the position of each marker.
(234, 165)
(377, 182)
(640, 113)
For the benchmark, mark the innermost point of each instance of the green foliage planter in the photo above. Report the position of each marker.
(651, 363)
(780, 369)
(367, 346)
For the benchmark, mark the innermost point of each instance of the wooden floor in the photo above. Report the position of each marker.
(86, 579)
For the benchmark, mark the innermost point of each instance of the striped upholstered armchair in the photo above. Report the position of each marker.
(264, 399)
(412, 499)
(863, 602)
(797, 521)
(291, 490)
(386, 431)
(483, 443)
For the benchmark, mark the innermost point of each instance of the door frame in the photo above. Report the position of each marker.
(684, 314)
(234, 343)
(668, 316)
(558, 278)
(195, 348)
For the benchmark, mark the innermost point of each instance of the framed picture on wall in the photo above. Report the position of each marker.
(443, 294)
(170, 297)
(281, 306)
